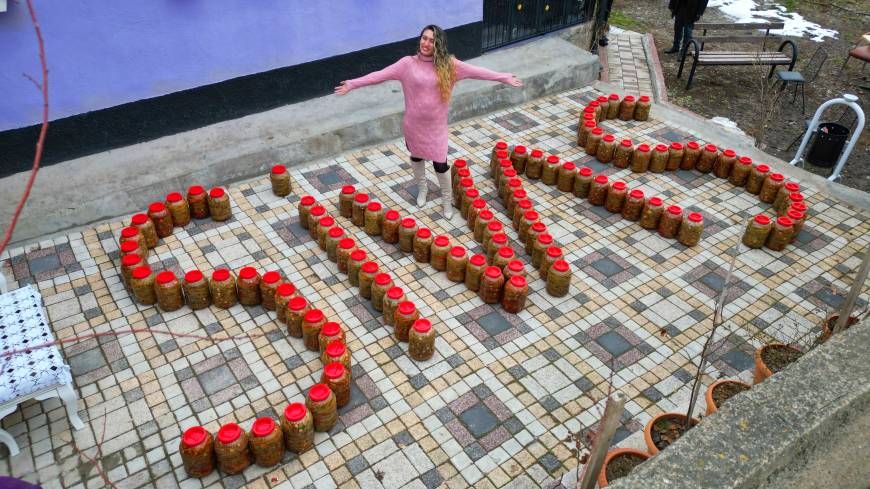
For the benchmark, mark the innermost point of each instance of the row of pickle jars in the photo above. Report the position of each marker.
(374, 285)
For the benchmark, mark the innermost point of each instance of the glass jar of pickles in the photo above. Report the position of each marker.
(498, 241)
(516, 291)
(506, 176)
(691, 229)
(598, 190)
(132, 234)
(565, 178)
(336, 351)
(130, 247)
(406, 234)
(354, 263)
(675, 156)
(390, 228)
(514, 267)
(641, 109)
(304, 209)
(458, 164)
(466, 184)
(128, 263)
(559, 279)
(756, 178)
(142, 283)
(550, 172)
(593, 140)
(640, 158)
(612, 106)
(529, 217)
(491, 284)
(381, 284)
(659, 160)
(323, 226)
(780, 203)
(268, 287)
(670, 222)
(178, 208)
(535, 164)
(465, 174)
(582, 182)
(623, 153)
(798, 218)
(196, 290)
(483, 219)
(551, 255)
(597, 108)
(358, 214)
(345, 201)
(521, 206)
(724, 163)
(781, 234)
(395, 295)
(707, 159)
(298, 427)
(423, 245)
(690, 158)
(367, 273)
(297, 309)
(267, 441)
(503, 256)
(439, 251)
(222, 288)
(280, 179)
(474, 271)
(283, 294)
(219, 205)
(231, 450)
(519, 158)
(312, 322)
(470, 196)
(197, 452)
(248, 286)
(374, 217)
(168, 291)
(337, 378)
(198, 202)
(543, 242)
(406, 314)
(477, 205)
(633, 206)
(321, 403)
(740, 171)
(333, 238)
(770, 187)
(346, 246)
(514, 186)
(162, 219)
(652, 213)
(606, 149)
(626, 108)
(145, 226)
(456, 263)
(421, 340)
(616, 194)
(315, 214)
(535, 230)
(492, 227)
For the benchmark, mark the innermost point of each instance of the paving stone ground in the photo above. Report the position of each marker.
(627, 63)
(493, 406)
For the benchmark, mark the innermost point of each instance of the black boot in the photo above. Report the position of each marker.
(674, 49)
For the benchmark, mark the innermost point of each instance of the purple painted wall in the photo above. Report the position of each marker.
(103, 53)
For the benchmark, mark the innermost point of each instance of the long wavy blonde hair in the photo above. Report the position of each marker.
(444, 68)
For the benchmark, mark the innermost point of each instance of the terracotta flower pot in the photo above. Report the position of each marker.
(711, 405)
(830, 322)
(602, 477)
(647, 430)
(761, 370)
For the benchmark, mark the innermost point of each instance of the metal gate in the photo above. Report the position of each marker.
(508, 21)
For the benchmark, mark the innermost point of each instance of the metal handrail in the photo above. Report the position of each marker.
(848, 100)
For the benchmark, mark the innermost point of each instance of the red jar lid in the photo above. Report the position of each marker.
(796, 197)
(762, 219)
(501, 145)
(629, 98)
(495, 226)
(286, 290)
(514, 182)
(229, 433)
(711, 148)
(374, 206)
(588, 110)
(477, 260)
(460, 163)
(594, 103)
(361, 198)
(586, 171)
(643, 147)
(193, 276)
(614, 96)
(424, 233)
(545, 238)
(509, 173)
(391, 215)
(729, 153)
(319, 392)
(216, 193)
(129, 246)
(395, 293)
(457, 251)
(693, 144)
(334, 370)
(278, 169)
(598, 131)
(762, 168)
(156, 207)
(369, 267)
(467, 182)
(561, 265)
(129, 232)
(346, 243)
(696, 217)
(745, 160)
(408, 222)
(336, 232)
(532, 215)
(499, 155)
(675, 210)
(174, 197)
(609, 138)
(792, 187)
(499, 238)
(478, 203)
(539, 227)
(406, 307)
(795, 215)
(271, 277)
(493, 272)
(552, 159)
(326, 222)
(220, 274)
(383, 278)
(472, 193)
(590, 123)
(317, 210)
(536, 153)
(519, 149)
(263, 426)
(799, 206)
(524, 203)
(626, 142)
(347, 190)
(307, 200)
(644, 98)
(619, 185)
(165, 277)
(504, 163)
(506, 252)
(139, 219)
(193, 436)
(676, 146)
(131, 259)
(441, 240)
(636, 194)
(297, 303)
(335, 348)
(422, 325)
(314, 316)
(358, 255)
(247, 273)
(518, 281)
(569, 165)
(554, 251)
(515, 266)
(784, 221)
(656, 201)
(295, 411)
(465, 173)
(602, 99)
(601, 179)
(777, 177)
(195, 190)
(661, 148)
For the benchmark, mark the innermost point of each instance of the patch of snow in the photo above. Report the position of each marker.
(727, 124)
(795, 24)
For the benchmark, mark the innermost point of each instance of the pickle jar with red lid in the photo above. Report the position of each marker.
(798, 218)
(312, 322)
(374, 218)
(367, 273)
(298, 427)
(565, 179)
(707, 159)
(535, 230)
(623, 154)
(780, 203)
(280, 179)
(360, 202)
(222, 287)
(336, 351)
(633, 206)
(594, 139)
(781, 234)
(315, 214)
(354, 264)
(465, 174)
(464, 185)
(421, 340)
(380, 285)
(283, 295)
(337, 378)
(297, 309)
(439, 251)
(231, 449)
(691, 229)
(626, 108)
(659, 160)
(603, 104)
(494, 157)
(550, 171)
(740, 171)
(130, 248)
(597, 107)
(506, 176)
(162, 219)
(329, 332)
(756, 178)
(145, 226)
(306, 203)
(390, 227)
(128, 263)
(582, 182)
(551, 255)
(267, 442)
(198, 202)
(474, 271)
(268, 287)
(133, 235)
(492, 228)
(559, 279)
(598, 190)
(640, 158)
(494, 166)
(323, 226)
(458, 164)
(142, 283)
(406, 314)
(321, 403)
(346, 246)
(168, 290)
(197, 452)
(514, 267)
(178, 208)
(503, 256)
(606, 148)
(406, 234)
(519, 205)
(641, 109)
(248, 285)
(724, 163)
(691, 156)
(670, 222)
(196, 290)
(535, 165)
(516, 291)
(770, 187)
(675, 156)
(519, 158)
(543, 242)
(219, 204)
(616, 194)
(333, 237)
(529, 217)
(514, 193)
(423, 245)
(482, 223)
(491, 285)
(345, 201)
(652, 213)
(394, 296)
(457, 261)
(477, 205)
(612, 106)
(470, 196)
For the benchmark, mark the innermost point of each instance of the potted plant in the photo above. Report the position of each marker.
(664, 429)
(620, 462)
(773, 357)
(722, 390)
(831, 321)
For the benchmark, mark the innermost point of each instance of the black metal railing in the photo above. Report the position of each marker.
(509, 21)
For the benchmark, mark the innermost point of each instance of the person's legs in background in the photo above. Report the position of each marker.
(419, 167)
(678, 35)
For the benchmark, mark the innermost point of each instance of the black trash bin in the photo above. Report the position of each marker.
(828, 144)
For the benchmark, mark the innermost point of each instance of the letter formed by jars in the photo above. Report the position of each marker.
(421, 340)
(280, 179)
(267, 442)
(337, 378)
(322, 404)
(298, 427)
(232, 451)
(406, 314)
(197, 451)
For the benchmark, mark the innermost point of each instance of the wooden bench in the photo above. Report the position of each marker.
(760, 56)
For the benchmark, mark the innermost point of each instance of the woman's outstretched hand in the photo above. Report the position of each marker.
(515, 82)
(342, 88)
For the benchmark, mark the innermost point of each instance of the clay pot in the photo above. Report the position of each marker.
(711, 406)
(647, 430)
(830, 322)
(761, 370)
(602, 477)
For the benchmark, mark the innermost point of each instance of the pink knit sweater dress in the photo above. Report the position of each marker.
(425, 121)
